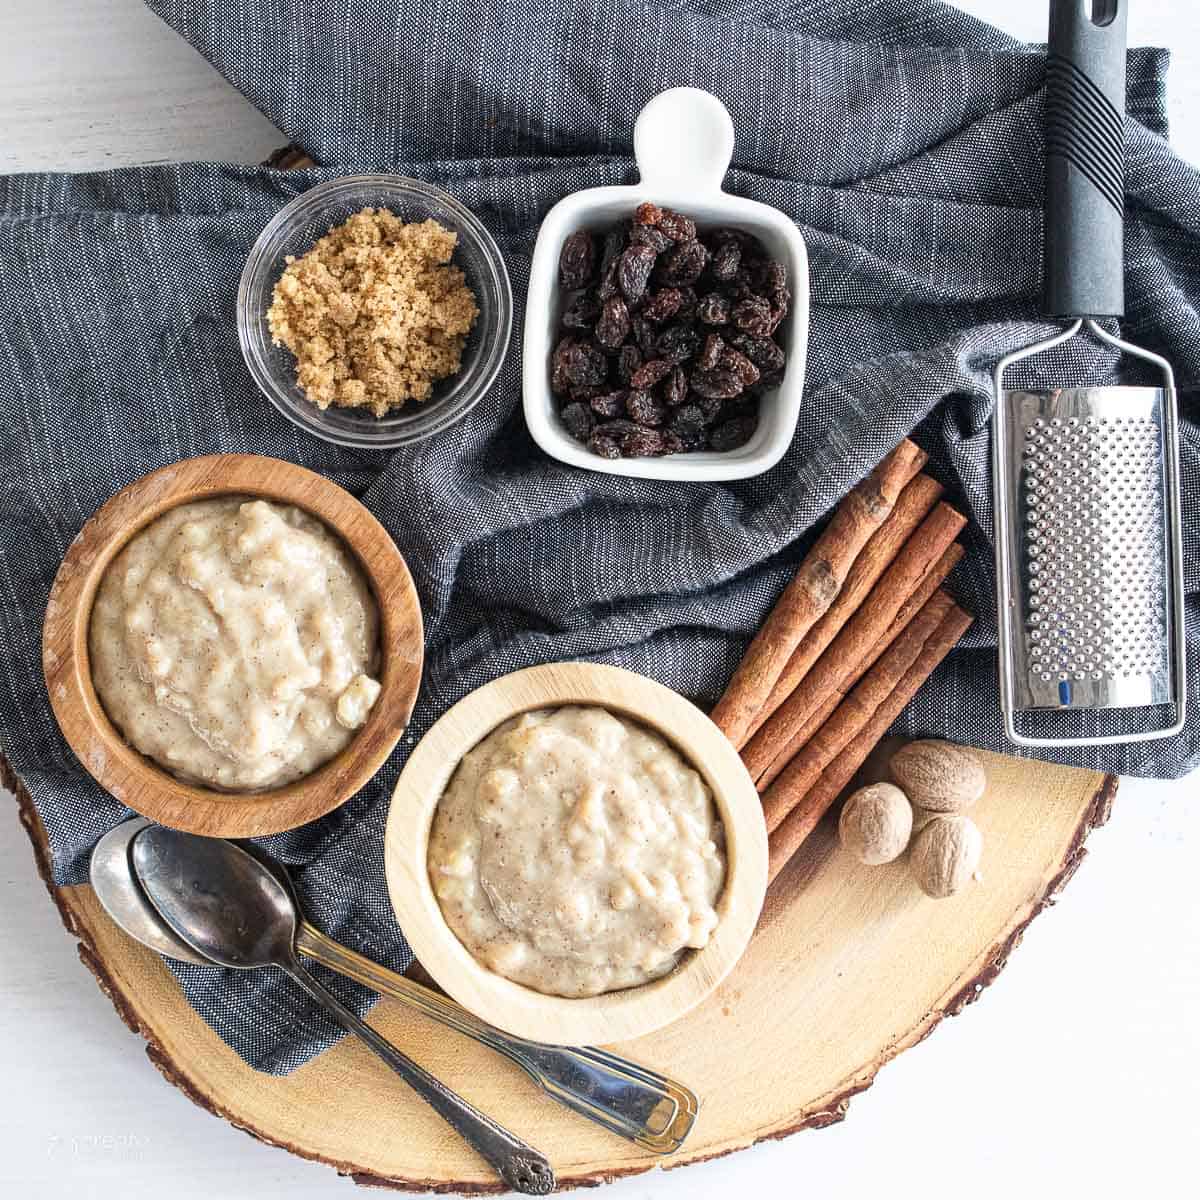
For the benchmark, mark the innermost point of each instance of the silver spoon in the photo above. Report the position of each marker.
(625, 1098)
(212, 895)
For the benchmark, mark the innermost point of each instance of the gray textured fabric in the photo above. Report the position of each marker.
(903, 137)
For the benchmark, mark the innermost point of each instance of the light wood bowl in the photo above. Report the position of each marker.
(614, 1016)
(138, 782)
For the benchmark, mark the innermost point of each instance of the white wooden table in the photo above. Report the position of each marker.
(1077, 1074)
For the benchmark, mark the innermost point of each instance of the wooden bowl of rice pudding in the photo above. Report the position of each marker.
(576, 854)
(233, 646)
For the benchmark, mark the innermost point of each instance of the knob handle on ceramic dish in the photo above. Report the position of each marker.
(683, 141)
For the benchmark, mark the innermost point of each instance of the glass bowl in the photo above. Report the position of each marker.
(294, 229)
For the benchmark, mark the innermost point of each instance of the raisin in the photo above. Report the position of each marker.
(579, 363)
(584, 394)
(608, 405)
(630, 438)
(756, 273)
(709, 406)
(581, 311)
(560, 385)
(739, 287)
(608, 281)
(734, 410)
(643, 443)
(736, 362)
(717, 385)
(602, 445)
(775, 282)
(769, 381)
(687, 414)
(614, 243)
(675, 389)
(678, 343)
(675, 225)
(687, 429)
(733, 434)
(685, 264)
(765, 354)
(650, 373)
(753, 315)
(614, 325)
(628, 361)
(723, 233)
(663, 305)
(713, 309)
(647, 235)
(577, 259)
(644, 409)
(710, 357)
(577, 419)
(633, 271)
(726, 260)
(644, 334)
(687, 300)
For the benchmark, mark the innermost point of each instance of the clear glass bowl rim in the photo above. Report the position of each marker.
(263, 259)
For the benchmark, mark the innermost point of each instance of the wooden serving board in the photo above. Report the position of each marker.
(850, 964)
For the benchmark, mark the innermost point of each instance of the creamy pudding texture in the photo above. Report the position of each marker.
(234, 641)
(575, 852)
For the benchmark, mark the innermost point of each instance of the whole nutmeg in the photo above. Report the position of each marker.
(945, 854)
(876, 823)
(939, 776)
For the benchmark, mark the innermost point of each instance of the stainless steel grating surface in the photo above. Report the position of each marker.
(1090, 557)
(1093, 515)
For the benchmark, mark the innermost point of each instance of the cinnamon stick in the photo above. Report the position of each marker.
(841, 658)
(854, 712)
(816, 584)
(911, 509)
(810, 808)
(932, 580)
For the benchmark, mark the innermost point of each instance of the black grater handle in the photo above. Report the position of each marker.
(1085, 159)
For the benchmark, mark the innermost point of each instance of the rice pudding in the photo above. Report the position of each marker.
(235, 642)
(576, 852)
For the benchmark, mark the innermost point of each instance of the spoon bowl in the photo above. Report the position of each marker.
(217, 898)
(228, 907)
(111, 873)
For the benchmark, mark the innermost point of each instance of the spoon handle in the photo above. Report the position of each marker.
(629, 1100)
(518, 1164)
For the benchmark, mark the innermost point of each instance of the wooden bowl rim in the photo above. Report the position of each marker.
(140, 783)
(614, 1016)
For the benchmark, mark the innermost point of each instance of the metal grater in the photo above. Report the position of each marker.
(1091, 613)
(1086, 480)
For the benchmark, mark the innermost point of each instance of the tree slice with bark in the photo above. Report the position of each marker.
(840, 948)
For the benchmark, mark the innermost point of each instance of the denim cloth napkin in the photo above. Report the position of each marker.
(902, 136)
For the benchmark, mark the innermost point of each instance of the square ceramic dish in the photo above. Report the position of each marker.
(683, 141)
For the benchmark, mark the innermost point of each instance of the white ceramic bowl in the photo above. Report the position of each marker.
(683, 141)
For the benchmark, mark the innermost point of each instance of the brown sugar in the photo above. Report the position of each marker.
(374, 313)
